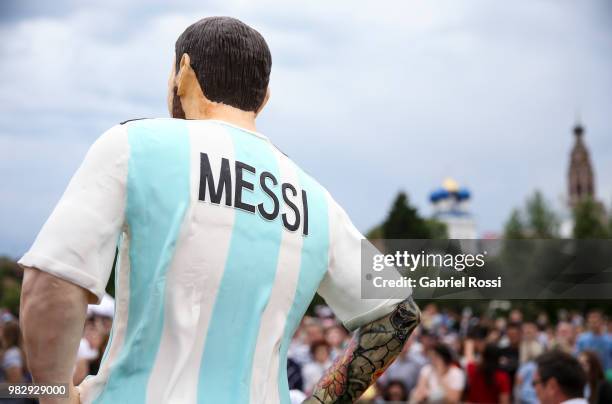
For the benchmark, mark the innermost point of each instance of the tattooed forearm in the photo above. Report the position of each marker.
(373, 348)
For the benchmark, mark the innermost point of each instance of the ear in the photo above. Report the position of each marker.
(182, 74)
(554, 384)
(265, 101)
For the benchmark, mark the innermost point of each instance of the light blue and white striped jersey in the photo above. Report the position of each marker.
(223, 241)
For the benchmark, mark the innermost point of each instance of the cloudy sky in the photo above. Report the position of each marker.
(369, 97)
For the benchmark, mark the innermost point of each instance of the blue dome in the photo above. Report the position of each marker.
(463, 194)
(438, 194)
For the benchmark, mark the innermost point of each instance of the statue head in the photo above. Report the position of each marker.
(219, 62)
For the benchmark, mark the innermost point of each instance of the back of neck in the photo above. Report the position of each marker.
(226, 113)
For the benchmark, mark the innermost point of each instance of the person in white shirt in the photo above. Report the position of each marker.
(441, 381)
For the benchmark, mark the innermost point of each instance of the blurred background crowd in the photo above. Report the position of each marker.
(455, 355)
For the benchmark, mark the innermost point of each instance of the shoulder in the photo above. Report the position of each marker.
(455, 371)
(426, 370)
(526, 368)
(164, 121)
(455, 374)
(109, 146)
(159, 132)
(151, 134)
(113, 137)
(131, 120)
(150, 122)
(154, 124)
(585, 336)
(455, 377)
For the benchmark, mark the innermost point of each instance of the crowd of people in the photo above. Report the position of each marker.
(454, 356)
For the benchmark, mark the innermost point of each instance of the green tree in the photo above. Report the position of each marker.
(437, 229)
(375, 233)
(589, 220)
(11, 291)
(514, 228)
(610, 221)
(537, 220)
(404, 222)
(541, 219)
(10, 284)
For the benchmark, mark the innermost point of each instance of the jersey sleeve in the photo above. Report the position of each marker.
(77, 243)
(341, 285)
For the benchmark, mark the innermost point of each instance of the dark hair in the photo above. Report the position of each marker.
(231, 61)
(595, 374)
(514, 324)
(445, 353)
(478, 332)
(316, 345)
(11, 335)
(565, 369)
(489, 363)
(392, 383)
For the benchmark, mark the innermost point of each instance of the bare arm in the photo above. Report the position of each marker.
(373, 348)
(420, 392)
(81, 371)
(52, 317)
(469, 351)
(451, 395)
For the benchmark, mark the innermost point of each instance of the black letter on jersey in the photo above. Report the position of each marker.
(305, 207)
(264, 187)
(296, 225)
(206, 177)
(240, 183)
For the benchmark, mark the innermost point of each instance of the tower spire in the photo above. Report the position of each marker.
(580, 174)
(578, 129)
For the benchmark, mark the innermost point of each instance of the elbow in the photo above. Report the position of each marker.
(30, 309)
(51, 311)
